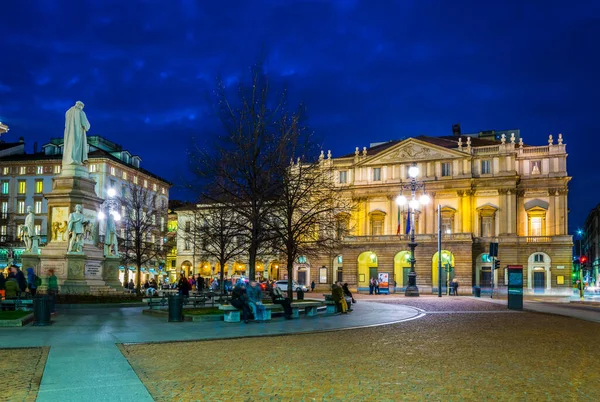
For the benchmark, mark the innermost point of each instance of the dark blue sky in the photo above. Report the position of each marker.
(367, 71)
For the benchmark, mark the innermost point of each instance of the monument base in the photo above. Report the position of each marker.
(110, 273)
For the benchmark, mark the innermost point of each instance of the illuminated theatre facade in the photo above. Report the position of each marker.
(490, 190)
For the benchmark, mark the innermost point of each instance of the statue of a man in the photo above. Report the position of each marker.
(75, 150)
(111, 245)
(75, 228)
(29, 229)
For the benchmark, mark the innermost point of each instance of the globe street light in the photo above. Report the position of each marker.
(413, 204)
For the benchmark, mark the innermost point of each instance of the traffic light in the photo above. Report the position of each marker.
(497, 264)
(583, 260)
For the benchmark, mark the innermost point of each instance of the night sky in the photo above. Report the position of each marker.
(367, 71)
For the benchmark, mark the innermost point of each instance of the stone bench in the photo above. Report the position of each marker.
(20, 304)
(232, 314)
(310, 308)
(330, 306)
(156, 302)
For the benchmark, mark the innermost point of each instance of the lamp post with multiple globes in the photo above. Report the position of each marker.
(413, 186)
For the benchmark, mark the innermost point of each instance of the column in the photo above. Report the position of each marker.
(551, 222)
(366, 217)
(564, 224)
(520, 214)
(392, 217)
(466, 213)
(503, 213)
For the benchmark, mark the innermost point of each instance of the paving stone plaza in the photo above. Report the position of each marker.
(455, 349)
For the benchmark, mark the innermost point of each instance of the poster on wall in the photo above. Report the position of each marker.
(323, 275)
(384, 285)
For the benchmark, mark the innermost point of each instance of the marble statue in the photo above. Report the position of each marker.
(75, 226)
(111, 244)
(75, 150)
(28, 229)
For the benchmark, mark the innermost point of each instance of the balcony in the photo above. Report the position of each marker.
(405, 238)
(525, 239)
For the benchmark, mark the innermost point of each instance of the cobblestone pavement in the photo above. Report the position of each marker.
(21, 373)
(479, 354)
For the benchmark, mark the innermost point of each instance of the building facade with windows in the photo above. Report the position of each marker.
(488, 190)
(590, 247)
(26, 177)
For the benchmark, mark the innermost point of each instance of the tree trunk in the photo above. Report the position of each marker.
(290, 269)
(222, 277)
(252, 261)
(138, 278)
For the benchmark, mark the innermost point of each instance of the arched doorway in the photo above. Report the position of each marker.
(538, 272)
(367, 269)
(401, 269)
(186, 267)
(274, 270)
(260, 270)
(338, 269)
(302, 271)
(483, 272)
(447, 264)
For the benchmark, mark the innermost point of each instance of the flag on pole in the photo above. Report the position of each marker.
(408, 221)
(398, 230)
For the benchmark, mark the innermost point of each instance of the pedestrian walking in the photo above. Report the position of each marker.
(33, 281)
(52, 289)
(454, 287)
(371, 286)
(312, 286)
(376, 287)
(184, 286)
(2, 285)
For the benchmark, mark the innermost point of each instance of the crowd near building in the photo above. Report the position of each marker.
(26, 177)
(491, 188)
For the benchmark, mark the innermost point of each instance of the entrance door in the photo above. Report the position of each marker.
(339, 275)
(485, 279)
(372, 273)
(405, 272)
(539, 280)
(302, 277)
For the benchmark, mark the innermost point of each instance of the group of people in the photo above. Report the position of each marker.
(248, 299)
(16, 284)
(342, 297)
(374, 286)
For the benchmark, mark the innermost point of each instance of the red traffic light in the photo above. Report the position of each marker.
(582, 259)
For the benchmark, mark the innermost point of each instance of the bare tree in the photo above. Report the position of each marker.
(242, 169)
(219, 232)
(309, 211)
(145, 231)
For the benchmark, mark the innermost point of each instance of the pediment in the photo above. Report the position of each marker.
(412, 150)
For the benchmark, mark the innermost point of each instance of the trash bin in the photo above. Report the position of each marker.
(41, 310)
(300, 294)
(477, 291)
(175, 308)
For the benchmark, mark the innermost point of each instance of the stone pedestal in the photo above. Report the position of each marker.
(76, 272)
(110, 272)
(75, 279)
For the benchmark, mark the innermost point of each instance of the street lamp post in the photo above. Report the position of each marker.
(413, 186)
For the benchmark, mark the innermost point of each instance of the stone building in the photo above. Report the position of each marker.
(590, 247)
(26, 177)
(489, 191)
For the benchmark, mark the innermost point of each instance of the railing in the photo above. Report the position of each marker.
(535, 150)
(492, 149)
(405, 237)
(525, 239)
(458, 237)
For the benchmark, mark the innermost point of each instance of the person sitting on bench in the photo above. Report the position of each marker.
(239, 300)
(278, 298)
